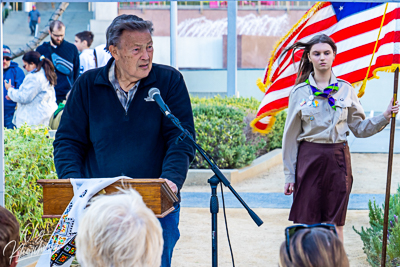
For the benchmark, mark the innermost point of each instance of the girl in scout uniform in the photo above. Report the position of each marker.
(322, 110)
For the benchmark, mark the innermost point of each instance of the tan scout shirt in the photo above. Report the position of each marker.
(323, 124)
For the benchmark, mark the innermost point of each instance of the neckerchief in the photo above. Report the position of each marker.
(327, 92)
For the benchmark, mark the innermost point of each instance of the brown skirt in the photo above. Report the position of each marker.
(323, 184)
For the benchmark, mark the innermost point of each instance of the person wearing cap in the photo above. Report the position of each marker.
(33, 19)
(13, 76)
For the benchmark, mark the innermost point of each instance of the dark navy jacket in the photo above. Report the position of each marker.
(16, 74)
(98, 138)
(68, 52)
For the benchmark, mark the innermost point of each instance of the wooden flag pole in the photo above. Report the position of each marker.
(389, 172)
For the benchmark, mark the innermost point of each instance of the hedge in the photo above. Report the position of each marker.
(222, 126)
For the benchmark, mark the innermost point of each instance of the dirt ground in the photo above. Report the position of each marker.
(369, 173)
(253, 246)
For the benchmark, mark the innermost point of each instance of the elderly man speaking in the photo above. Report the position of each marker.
(108, 129)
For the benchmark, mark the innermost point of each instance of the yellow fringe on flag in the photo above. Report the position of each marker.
(309, 13)
(263, 86)
(271, 122)
(390, 68)
(362, 88)
(260, 85)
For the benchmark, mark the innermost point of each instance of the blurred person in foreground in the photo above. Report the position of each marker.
(9, 238)
(36, 97)
(120, 231)
(109, 127)
(13, 76)
(66, 54)
(312, 246)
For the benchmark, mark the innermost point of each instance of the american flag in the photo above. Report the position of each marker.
(355, 28)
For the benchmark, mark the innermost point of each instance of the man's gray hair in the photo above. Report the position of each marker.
(125, 23)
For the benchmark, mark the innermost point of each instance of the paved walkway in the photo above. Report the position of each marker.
(267, 200)
(16, 32)
(379, 143)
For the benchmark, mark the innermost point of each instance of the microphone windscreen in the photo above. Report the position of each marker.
(153, 91)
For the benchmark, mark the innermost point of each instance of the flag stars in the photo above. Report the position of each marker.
(340, 8)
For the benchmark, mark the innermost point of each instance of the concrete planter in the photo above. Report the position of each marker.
(259, 166)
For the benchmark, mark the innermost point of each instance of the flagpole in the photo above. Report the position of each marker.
(389, 172)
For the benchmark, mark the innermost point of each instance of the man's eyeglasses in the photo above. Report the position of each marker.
(58, 35)
(6, 58)
(291, 230)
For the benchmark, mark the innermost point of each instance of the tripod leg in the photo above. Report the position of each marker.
(214, 208)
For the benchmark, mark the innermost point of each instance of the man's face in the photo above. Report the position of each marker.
(134, 54)
(6, 62)
(57, 35)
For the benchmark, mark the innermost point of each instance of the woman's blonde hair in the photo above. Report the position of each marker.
(313, 247)
(120, 231)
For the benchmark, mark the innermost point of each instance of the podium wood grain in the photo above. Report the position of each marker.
(156, 194)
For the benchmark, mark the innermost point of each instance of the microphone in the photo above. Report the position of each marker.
(154, 94)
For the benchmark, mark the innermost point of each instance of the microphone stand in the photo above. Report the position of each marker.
(217, 178)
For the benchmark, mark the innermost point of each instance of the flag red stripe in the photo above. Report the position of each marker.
(348, 32)
(286, 43)
(274, 105)
(349, 55)
(359, 75)
(365, 50)
(364, 27)
(309, 30)
(283, 83)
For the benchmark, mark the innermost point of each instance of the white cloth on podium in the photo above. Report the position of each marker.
(61, 248)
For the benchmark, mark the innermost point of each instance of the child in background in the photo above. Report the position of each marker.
(83, 41)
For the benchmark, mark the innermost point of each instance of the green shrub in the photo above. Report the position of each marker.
(223, 130)
(220, 133)
(239, 102)
(276, 134)
(28, 157)
(372, 236)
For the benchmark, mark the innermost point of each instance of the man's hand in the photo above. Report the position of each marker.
(172, 185)
(7, 84)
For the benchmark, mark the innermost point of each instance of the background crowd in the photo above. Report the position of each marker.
(39, 96)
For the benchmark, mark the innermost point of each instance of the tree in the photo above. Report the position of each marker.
(31, 45)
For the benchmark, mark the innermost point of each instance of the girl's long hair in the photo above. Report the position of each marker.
(305, 66)
(48, 67)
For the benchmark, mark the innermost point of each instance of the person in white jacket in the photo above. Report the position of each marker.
(83, 41)
(36, 98)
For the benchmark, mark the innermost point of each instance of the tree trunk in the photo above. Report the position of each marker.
(31, 45)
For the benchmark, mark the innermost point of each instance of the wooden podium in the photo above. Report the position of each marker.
(156, 194)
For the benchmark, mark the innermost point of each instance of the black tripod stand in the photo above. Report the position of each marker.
(214, 181)
(218, 177)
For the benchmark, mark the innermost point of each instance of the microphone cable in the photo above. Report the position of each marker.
(223, 204)
(226, 224)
